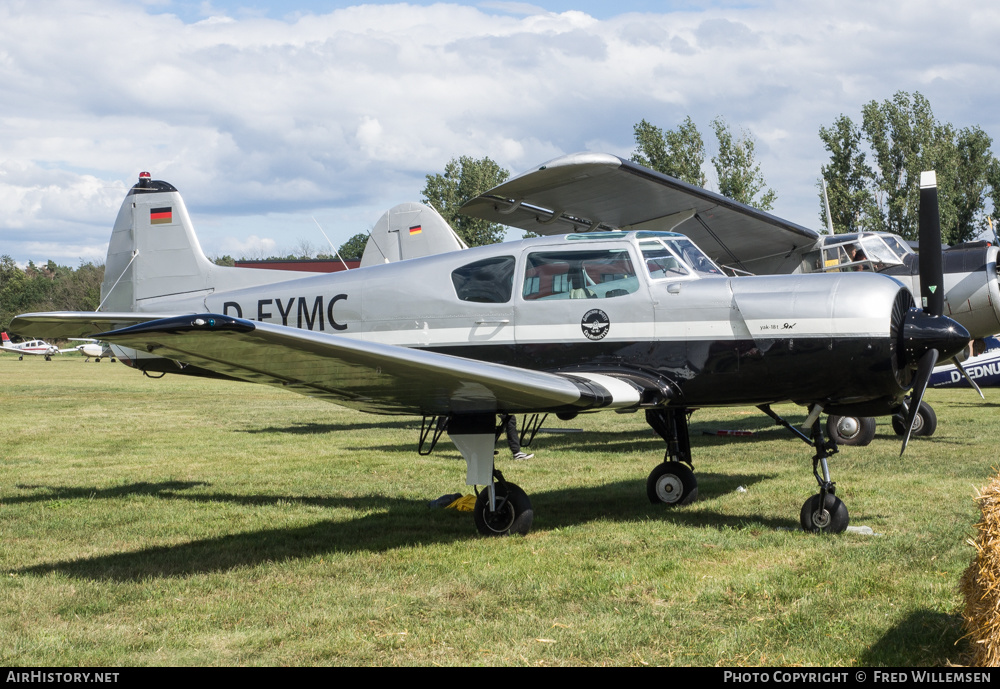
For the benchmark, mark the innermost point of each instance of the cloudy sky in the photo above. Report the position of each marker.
(266, 115)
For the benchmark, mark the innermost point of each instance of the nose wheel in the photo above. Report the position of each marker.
(827, 514)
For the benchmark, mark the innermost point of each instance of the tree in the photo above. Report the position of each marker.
(738, 172)
(903, 138)
(677, 152)
(852, 207)
(462, 180)
(354, 248)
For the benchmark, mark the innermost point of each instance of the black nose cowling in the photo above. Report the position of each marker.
(923, 332)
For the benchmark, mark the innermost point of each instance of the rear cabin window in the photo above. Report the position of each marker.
(596, 274)
(490, 281)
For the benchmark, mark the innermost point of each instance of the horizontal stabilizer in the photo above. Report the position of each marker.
(69, 325)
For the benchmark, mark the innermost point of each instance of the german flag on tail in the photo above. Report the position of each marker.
(161, 216)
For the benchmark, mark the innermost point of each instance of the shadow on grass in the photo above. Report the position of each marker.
(319, 428)
(160, 489)
(395, 523)
(924, 639)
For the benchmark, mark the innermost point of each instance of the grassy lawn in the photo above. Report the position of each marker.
(195, 522)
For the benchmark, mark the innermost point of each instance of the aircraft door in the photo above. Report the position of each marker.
(587, 297)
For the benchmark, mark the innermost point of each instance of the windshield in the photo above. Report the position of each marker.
(880, 252)
(675, 257)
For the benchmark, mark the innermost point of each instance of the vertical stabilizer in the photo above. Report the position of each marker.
(409, 230)
(154, 255)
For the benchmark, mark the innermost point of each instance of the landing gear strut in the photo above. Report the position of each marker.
(673, 482)
(823, 512)
(502, 508)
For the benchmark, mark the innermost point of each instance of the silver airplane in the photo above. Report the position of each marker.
(583, 322)
(596, 191)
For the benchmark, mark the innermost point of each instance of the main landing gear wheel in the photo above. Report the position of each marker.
(513, 514)
(831, 518)
(672, 483)
(850, 430)
(924, 423)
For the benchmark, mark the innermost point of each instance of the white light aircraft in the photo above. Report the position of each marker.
(33, 347)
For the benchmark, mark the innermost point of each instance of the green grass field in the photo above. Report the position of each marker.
(195, 522)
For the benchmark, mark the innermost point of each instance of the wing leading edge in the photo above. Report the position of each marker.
(366, 375)
(590, 191)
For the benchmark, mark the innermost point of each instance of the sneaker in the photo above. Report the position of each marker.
(521, 455)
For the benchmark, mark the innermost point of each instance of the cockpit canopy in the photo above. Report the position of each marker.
(585, 267)
(858, 251)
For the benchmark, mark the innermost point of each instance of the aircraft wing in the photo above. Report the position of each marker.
(367, 375)
(591, 191)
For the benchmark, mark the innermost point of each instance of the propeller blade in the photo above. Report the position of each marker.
(931, 270)
(961, 369)
(924, 369)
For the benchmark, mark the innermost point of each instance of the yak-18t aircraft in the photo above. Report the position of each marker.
(582, 322)
(597, 191)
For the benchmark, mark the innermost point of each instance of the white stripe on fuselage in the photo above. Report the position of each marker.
(422, 335)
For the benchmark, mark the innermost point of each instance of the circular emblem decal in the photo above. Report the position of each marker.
(595, 324)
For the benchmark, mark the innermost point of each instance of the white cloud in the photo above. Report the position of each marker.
(347, 111)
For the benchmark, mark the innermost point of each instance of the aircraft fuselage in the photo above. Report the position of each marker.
(699, 339)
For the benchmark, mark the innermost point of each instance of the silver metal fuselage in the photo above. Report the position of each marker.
(714, 340)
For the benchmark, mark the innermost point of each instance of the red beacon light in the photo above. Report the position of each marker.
(144, 179)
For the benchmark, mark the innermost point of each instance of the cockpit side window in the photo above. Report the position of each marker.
(490, 281)
(676, 257)
(593, 274)
(660, 262)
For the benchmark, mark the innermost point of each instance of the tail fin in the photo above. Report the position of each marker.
(409, 230)
(154, 254)
(6, 338)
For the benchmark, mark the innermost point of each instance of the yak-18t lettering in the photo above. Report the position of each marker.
(582, 322)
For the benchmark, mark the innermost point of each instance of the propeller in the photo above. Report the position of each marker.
(968, 378)
(927, 334)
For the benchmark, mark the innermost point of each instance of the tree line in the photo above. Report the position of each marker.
(47, 288)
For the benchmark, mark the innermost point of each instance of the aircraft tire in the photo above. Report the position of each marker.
(924, 423)
(513, 517)
(670, 484)
(850, 430)
(833, 519)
